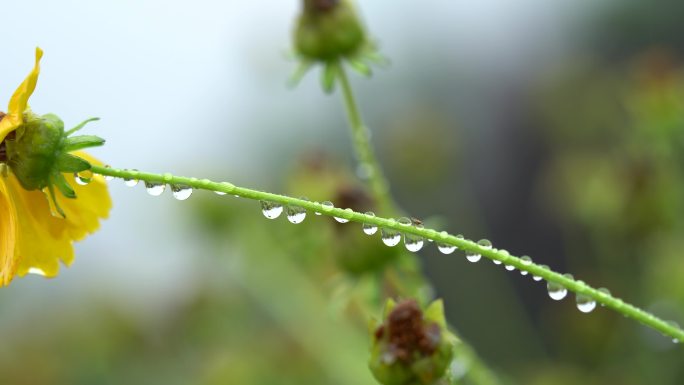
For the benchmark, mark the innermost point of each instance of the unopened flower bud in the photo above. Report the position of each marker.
(411, 346)
(328, 30)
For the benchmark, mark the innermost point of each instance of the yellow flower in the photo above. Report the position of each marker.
(32, 239)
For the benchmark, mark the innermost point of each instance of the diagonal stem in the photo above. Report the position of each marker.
(576, 286)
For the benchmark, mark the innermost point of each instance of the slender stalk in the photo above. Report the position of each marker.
(576, 286)
(368, 163)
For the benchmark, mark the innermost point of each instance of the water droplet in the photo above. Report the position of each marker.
(181, 191)
(413, 243)
(509, 267)
(585, 304)
(390, 237)
(676, 325)
(344, 220)
(604, 291)
(295, 214)
(404, 221)
(130, 182)
(36, 271)
(538, 278)
(327, 206)
(525, 260)
(220, 192)
(473, 256)
(556, 290)
(446, 249)
(485, 244)
(83, 177)
(368, 228)
(155, 189)
(108, 177)
(271, 210)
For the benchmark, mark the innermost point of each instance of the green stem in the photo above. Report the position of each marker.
(443, 237)
(368, 163)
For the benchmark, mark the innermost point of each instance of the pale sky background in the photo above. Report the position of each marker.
(194, 88)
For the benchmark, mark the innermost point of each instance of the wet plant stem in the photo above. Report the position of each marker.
(368, 163)
(576, 286)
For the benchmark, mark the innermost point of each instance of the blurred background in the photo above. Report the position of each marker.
(555, 129)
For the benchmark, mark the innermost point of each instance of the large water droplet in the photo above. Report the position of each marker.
(271, 210)
(390, 237)
(369, 228)
(509, 267)
(413, 243)
(83, 177)
(404, 221)
(556, 291)
(155, 189)
(181, 191)
(296, 214)
(473, 256)
(585, 304)
(446, 249)
(130, 182)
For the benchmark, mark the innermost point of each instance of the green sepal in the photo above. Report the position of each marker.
(52, 201)
(70, 163)
(80, 125)
(360, 67)
(62, 185)
(80, 142)
(328, 76)
(301, 71)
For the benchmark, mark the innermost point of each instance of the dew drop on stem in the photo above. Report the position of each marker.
(390, 237)
(369, 228)
(83, 178)
(271, 210)
(155, 189)
(181, 192)
(472, 256)
(295, 214)
(556, 290)
(585, 304)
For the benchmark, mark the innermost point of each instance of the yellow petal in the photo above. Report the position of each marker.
(8, 230)
(43, 239)
(19, 101)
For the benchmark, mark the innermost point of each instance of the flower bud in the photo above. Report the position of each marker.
(411, 347)
(328, 30)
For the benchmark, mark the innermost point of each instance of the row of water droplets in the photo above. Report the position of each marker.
(392, 237)
(179, 191)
